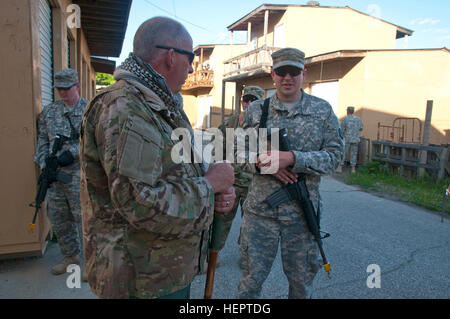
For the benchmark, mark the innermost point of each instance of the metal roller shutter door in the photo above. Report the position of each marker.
(46, 43)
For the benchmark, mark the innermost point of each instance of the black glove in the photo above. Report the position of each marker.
(51, 167)
(65, 159)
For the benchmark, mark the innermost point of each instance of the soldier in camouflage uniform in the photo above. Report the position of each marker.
(242, 178)
(63, 117)
(351, 125)
(145, 215)
(317, 146)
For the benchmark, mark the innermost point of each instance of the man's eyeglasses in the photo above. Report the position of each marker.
(248, 98)
(191, 55)
(283, 70)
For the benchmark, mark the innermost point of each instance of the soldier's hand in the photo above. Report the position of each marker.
(286, 176)
(272, 162)
(220, 176)
(224, 202)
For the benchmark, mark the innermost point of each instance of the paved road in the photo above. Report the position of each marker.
(409, 244)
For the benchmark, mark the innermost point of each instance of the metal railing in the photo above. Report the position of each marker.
(402, 130)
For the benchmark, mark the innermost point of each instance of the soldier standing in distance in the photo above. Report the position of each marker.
(63, 117)
(145, 215)
(316, 142)
(351, 125)
(242, 178)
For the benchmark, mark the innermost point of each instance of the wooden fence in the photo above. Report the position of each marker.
(405, 158)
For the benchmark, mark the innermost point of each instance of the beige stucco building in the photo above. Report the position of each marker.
(39, 38)
(204, 89)
(352, 60)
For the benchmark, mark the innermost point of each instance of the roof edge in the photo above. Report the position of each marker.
(361, 53)
(257, 10)
(401, 31)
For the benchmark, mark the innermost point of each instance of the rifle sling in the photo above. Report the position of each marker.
(74, 135)
(265, 113)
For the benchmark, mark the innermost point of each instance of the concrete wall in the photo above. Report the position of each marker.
(388, 84)
(20, 80)
(317, 30)
(400, 83)
(320, 30)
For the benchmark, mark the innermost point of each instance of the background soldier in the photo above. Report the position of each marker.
(145, 215)
(242, 178)
(351, 125)
(316, 143)
(63, 118)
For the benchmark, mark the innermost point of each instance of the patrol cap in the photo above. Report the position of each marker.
(255, 91)
(351, 108)
(66, 78)
(288, 56)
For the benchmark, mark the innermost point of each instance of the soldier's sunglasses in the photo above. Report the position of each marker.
(191, 55)
(66, 89)
(248, 98)
(283, 70)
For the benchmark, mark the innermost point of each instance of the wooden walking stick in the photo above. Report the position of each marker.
(214, 245)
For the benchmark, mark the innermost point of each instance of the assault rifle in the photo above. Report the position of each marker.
(50, 174)
(299, 192)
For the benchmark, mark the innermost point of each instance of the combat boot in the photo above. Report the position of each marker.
(339, 169)
(353, 169)
(61, 268)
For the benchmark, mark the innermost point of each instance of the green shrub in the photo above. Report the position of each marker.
(424, 192)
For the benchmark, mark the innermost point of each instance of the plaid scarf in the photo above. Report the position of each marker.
(150, 78)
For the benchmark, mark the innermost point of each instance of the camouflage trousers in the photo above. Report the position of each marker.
(64, 212)
(352, 150)
(299, 252)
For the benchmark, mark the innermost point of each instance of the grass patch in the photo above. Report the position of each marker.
(424, 192)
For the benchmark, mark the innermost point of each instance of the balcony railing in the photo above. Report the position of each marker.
(201, 78)
(249, 62)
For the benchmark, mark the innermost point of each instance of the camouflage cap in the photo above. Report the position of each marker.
(66, 78)
(256, 91)
(288, 56)
(351, 108)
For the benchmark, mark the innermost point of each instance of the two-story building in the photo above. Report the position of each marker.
(352, 60)
(204, 88)
(39, 38)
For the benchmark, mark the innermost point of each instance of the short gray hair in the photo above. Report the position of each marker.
(158, 31)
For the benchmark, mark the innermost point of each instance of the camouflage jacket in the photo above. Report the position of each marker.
(145, 218)
(351, 126)
(242, 178)
(315, 139)
(53, 121)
